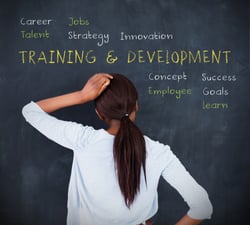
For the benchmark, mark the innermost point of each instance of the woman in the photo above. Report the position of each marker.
(115, 172)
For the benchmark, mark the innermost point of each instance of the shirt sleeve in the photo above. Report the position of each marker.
(193, 194)
(68, 134)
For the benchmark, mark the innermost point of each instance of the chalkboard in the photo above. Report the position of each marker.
(190, 63)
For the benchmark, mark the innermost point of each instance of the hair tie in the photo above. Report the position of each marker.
(126, 115)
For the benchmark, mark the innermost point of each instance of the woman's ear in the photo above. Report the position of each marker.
(100, 116)
(136, 106)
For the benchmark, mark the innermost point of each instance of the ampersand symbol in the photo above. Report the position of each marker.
(110, 59)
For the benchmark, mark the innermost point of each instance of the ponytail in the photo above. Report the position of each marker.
(117, 102)
(130, 157)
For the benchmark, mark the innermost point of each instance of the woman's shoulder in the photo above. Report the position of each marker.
(93, 135)
(155, 147)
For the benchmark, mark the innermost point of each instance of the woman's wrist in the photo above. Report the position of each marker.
(186, 220)
(82, 97)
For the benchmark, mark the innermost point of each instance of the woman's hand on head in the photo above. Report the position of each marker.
(96, 85)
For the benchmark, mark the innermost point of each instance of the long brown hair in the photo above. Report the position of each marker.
(117, 102)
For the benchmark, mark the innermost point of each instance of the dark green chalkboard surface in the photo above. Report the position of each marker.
(190, 63)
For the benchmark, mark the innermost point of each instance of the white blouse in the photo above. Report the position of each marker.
(94, 196)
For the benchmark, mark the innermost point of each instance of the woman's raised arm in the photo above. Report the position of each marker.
(91, 90)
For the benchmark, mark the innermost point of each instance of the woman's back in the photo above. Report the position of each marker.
(100, 190)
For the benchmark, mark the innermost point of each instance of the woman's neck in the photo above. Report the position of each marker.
(114, 126)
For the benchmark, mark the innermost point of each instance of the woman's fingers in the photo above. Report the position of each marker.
(105, 84)
(96, 85)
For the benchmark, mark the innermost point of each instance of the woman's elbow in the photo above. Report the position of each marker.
(208, 209)
(202, 210)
